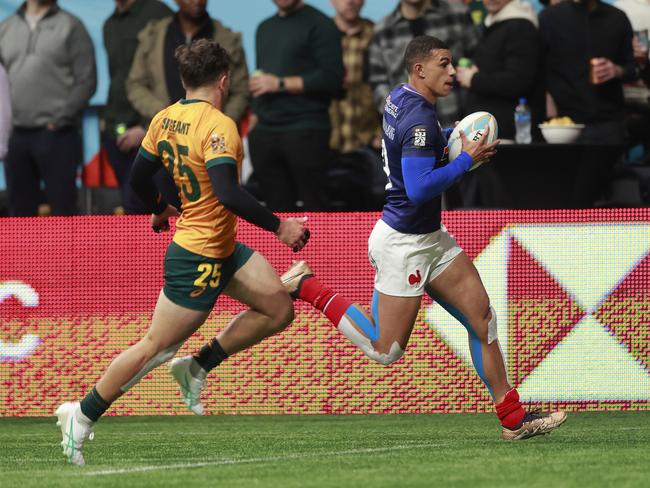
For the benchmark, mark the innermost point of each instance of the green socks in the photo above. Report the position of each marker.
(93, 405)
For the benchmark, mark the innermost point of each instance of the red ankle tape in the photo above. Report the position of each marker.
(324, 299)
(336, 308)
(510, 411)
(310, 289)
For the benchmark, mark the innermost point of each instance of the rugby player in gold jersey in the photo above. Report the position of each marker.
(201, 148)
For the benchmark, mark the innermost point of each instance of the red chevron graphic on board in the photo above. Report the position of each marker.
(541, 313)
(626, 312)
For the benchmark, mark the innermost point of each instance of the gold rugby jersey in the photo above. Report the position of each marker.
(188, 138)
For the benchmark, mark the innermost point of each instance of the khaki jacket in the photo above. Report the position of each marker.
(146, 87)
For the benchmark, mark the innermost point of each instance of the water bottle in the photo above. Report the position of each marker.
(522, 122)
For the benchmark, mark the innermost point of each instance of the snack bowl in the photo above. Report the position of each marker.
(561, 134)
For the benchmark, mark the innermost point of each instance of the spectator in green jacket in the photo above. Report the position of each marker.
(122, 126)
(50, 61)
(300, 70)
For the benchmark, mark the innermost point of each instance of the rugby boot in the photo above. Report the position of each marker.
(534, 424)
(75, 429)
(189, 384)
(294, 276)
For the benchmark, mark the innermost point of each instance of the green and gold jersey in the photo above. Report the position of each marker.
(188, 138)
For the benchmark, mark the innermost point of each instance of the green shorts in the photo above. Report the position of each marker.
(194, 281)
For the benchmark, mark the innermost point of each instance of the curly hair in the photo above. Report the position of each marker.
(201, 62)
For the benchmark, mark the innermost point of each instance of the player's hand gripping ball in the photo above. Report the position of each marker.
(474, 126)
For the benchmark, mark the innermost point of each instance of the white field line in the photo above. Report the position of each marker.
(116, 434)
(221, 462)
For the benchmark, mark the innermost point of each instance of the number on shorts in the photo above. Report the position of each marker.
(384, 157)
(194, 192)
(208, 271)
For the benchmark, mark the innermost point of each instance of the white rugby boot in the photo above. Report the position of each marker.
(534, 424)
(189, 384)
(75, 429)
(294, 276)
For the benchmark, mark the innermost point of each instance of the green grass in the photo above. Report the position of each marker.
(589, 450)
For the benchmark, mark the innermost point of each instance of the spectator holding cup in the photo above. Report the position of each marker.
(638, 13)
(588, 56)
(587, 46)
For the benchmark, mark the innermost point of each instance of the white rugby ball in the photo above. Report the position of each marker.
(474, 126)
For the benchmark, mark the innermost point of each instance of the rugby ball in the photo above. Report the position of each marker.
(474, 126)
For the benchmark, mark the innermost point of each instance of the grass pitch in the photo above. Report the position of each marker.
(589, 450)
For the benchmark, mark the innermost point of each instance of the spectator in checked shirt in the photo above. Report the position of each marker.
(356, 178)
(449, 22)
(355, 122)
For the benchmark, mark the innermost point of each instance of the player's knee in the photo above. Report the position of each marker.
(492, 328)
(155, 349)
(283, 313)
(151, 354)
(144, 351)
(486, 325)
(386, 358)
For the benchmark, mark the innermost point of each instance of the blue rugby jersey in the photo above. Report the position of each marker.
(410, 128)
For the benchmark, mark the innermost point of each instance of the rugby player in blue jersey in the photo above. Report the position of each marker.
(410, 249)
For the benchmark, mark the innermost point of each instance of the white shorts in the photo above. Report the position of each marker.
(405, 263)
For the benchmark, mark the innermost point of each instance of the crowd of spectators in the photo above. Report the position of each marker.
(313, 104)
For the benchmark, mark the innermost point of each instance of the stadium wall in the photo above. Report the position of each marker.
(571, 290)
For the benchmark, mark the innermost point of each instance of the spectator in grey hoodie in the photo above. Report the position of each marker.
(50, 62)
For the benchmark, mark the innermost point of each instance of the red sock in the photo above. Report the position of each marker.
(324, 299)
(510, 411)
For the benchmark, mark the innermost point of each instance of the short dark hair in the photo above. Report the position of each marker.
(420, 49)
(201, 62)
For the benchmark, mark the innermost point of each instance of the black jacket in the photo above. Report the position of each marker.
(571, 36)
(509, 63)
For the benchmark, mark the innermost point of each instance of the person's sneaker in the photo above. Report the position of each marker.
(189, 384)
(75, 429)
(294, 276)
(534, 424)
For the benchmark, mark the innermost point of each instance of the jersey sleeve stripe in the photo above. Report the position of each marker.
(148, 155)
(217, 161)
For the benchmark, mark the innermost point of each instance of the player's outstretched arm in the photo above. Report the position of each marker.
(225, 184)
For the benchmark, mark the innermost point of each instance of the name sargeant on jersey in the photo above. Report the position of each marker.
(176, 126)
